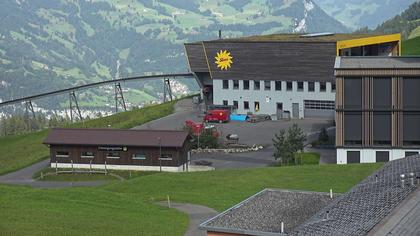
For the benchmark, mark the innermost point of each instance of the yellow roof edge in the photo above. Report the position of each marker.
(368, 41)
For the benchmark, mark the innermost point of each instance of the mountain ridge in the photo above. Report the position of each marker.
(51, 45)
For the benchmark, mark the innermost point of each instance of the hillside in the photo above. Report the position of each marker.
(407, 23)
(361, 13)
(29, 147)
(411, 47)
(46, 45)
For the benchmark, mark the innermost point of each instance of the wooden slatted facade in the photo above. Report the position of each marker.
(397, 110)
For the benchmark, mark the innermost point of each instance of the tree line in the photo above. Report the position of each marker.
(22, 124)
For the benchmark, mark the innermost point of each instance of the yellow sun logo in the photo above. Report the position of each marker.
(223, 60)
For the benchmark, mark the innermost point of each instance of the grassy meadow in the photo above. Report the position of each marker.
(128, 207)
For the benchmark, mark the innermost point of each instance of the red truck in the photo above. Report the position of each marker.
(217, 115)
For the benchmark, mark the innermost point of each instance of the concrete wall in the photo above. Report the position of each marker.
(269, 99)
(369, 155)
(119, 167)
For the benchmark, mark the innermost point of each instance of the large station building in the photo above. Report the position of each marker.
(283, 75)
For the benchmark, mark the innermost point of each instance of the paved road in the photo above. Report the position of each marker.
(197, 213)
(249, 133)
(24, 177)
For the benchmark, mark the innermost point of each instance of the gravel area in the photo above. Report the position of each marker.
(265, 211)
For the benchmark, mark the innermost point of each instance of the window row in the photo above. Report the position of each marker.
(111, 155)
(246, 105)
(381, 93)
(267, 85)
(380, 156)
(382, 128)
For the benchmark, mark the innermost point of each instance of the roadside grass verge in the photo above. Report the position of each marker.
(129, 207)
(20, 151)
(49, 174)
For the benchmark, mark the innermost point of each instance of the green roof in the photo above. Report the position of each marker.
(295, 38)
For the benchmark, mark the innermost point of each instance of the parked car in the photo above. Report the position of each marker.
(258, 118)
(217, 116)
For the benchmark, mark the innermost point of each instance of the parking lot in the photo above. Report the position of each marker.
(260, 133)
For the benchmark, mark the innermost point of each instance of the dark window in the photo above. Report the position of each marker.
(246, 84)
(236, 84)
(225, 84)
(256, 85)
(278, 85)
(289, 86)
(411, 128)
(267, 85)
(311, 86)
(139, 156)
(300, 86)
(113, 155)
(382, 128)
(382, 156)
(235, 104)
(88, 155)
(411, 94)
(256, 106)
(353, 157)
(353, 128)
(333, 87)
(246, 105)
(62, 154)
(322, 86)
(382, 93)
(167, 156)
(353, 93)
(225, 103)
(407, 154)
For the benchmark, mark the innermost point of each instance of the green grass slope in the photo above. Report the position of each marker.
(19, 151)
(411, 47)
(128, 208)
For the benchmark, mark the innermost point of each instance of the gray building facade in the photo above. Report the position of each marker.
(283, 75)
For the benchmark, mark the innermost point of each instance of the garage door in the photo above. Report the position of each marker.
(319, 109)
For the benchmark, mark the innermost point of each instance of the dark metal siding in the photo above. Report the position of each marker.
(196, 57)
(292, 61)
(179, 157)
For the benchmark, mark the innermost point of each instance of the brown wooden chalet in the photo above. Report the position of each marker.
(118, 149)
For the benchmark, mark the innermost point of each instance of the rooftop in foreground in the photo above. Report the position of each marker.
(263, 213)
(380, 204)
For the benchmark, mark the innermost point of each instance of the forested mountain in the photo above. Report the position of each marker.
(363, 13)
(407, 23)
(46, 45)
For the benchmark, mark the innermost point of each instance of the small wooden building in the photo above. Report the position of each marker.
(119, 149)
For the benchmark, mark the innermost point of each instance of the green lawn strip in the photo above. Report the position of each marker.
(222, 188)
(20, 151)
(49, 174)
(309, 158)
(83, 211)
(411, 47)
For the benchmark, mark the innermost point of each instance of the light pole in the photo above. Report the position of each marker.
(160, 154)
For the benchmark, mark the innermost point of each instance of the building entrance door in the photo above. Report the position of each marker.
(279, 110)
(295, 110)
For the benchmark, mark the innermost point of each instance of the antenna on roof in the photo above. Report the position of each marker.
(316, 35)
